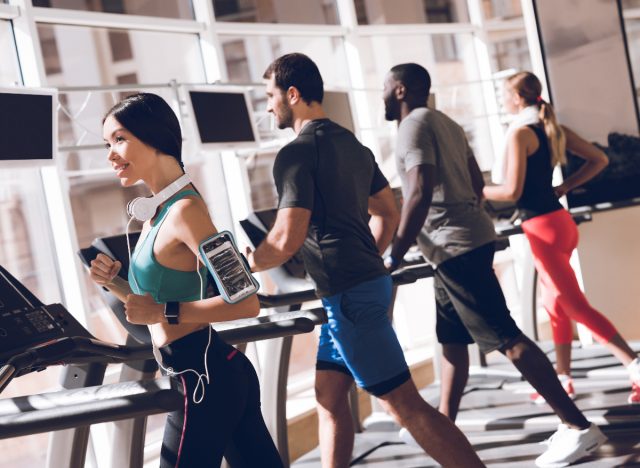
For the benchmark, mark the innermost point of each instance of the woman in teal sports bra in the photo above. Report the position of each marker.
(222, 395)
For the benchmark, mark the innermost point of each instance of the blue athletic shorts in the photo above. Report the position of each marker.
(358, 338)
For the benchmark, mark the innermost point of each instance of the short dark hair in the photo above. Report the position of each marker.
(415, 78)
(299, 71)
(151, 120)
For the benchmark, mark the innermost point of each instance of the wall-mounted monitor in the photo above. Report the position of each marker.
(28, 126)
(223, 116)
(337, 107)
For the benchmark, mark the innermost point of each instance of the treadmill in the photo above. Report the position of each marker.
(34, 336)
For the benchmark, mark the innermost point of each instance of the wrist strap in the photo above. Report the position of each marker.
(172, 312)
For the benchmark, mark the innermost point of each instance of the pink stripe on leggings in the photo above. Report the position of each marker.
(184, 423)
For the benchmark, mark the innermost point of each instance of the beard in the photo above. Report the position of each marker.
(390, 113)
(284, 117)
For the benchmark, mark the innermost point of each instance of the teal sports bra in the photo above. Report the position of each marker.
(164, 284)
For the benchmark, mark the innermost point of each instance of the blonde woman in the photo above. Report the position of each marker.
(535, 145)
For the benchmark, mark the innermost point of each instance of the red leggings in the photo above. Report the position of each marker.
(553, 237)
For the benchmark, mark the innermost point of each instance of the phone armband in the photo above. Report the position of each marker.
(228, 268)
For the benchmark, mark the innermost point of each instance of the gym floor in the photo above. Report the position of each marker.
(506, 429)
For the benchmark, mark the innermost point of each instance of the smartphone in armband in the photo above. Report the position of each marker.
(229, 270)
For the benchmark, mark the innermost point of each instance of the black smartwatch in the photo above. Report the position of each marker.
(172, 312)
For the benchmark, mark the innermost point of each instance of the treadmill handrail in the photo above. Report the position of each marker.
(268, 330)
(85, 406)
(406, 275)
(508, 229)
(75, 396)
(317, 316)
(82, 350)
(268, 301)
(399, 277)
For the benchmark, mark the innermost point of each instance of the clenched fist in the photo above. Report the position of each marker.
(143, 310)
(103, 269)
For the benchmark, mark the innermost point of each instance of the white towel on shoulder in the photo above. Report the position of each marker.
(527, 116)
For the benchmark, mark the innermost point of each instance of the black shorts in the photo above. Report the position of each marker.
(470, 305)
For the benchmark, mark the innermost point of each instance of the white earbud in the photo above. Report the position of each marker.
(143, 208)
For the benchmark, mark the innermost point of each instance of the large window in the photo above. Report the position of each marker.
(449, 58)
(165, 8)
(10, 70)
(502, 9)
(276, 11)
(451, 62)
(248, 57)
(509, 50)
(82, 56)
(25, 244)
(411, 11)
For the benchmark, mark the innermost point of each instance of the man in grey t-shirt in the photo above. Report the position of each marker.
(456, 222)
(442, 188)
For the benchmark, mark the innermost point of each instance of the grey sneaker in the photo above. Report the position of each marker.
(568, 445)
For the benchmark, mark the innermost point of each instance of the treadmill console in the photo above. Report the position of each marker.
(25, 322)
(25, 327)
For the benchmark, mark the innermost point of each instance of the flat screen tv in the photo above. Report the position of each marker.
(28, 126)
(223, 116)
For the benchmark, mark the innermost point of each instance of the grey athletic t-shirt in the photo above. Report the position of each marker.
(456, 222)
(328, 171)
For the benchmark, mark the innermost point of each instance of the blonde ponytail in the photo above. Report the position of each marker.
(555, 134)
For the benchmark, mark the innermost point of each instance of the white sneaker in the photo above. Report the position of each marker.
(406, 437)
(634, 370)
(568, 445)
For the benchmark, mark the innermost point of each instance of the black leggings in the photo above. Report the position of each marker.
(228, 419)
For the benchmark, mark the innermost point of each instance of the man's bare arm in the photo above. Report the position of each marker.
(283, 241)
(384, 217)
(415, 208)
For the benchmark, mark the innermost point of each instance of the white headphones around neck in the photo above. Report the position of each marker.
(143, 208)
